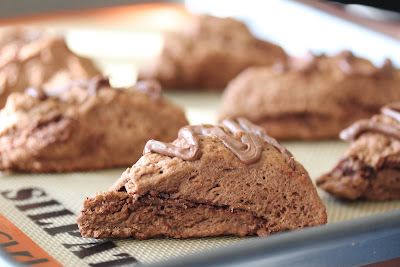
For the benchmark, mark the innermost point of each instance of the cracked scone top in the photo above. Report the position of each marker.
(207, 53)
(314, 97)
(19, 35)
(30, 58)
(370, 168)
(231, 179)
(84, 125)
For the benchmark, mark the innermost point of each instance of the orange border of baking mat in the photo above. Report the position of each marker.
(21, 247)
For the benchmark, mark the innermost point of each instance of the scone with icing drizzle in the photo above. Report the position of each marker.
(207, 53)
(84, 125)
(231, 179)
(310, 98)
(31, 58)
(370, 166)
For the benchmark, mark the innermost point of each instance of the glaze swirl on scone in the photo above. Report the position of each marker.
(311, 98)
(180, 191)
(370, 167)
(83, 125)
(32, 59)
(248, 149)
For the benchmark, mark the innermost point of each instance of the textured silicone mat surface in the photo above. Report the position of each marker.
(45, 206)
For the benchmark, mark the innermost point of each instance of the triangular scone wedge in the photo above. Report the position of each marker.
(85, 125)
(214, 182)
(29, 58)
(208, 52)
(370, 168)
(286, 98)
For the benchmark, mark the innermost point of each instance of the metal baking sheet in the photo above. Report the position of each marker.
(361, 241)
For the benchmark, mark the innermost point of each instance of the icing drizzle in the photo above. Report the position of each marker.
(92, 86)
(345, 63)
(303, 65)
(248, 149)
(38, 93)
(151, 88)
(346, 59)
(362, 126)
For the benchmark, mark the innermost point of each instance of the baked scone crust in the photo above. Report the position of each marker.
(31, 59)
(86, 126)
(311, 98)
(19, 35)
(216, 194)
(208, 53)
(370, 168)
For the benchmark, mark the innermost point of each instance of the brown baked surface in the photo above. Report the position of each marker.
(370, 168)
(86, 126)
(217, 194)
(207, 53)
(29, 58)
(311, 98)
(19, 35)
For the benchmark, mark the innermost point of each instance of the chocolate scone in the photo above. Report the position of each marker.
(207, 53)
(85, 125)
(19, 35)
(231, 179)
(370, 168)
(314, 97)
(28, 58)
